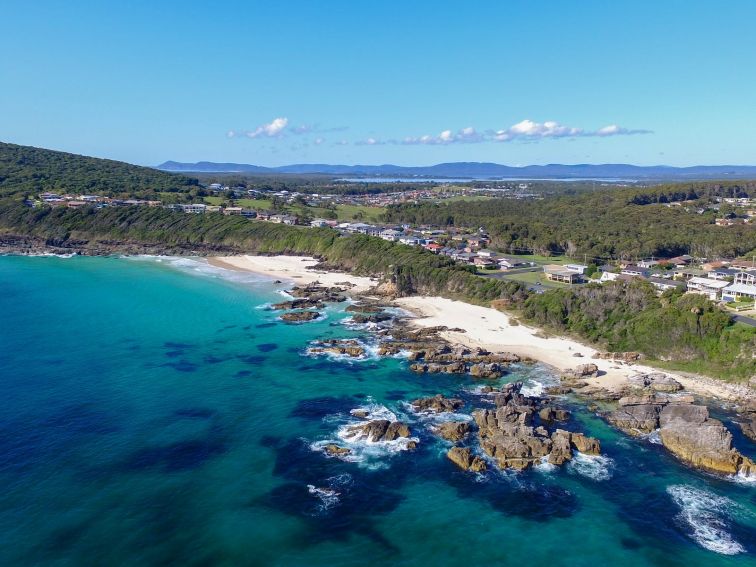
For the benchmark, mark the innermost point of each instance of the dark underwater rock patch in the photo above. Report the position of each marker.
(267, 347)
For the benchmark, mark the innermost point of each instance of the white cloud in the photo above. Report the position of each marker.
(530, 130)
(272, 129)
(465, 135)
(318, 141)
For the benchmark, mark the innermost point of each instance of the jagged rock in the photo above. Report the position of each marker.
(620, 356)
(303, 303)
(587, 445)
(437, 404)
(299, 316)
(656, 381)
(561, 450)
(361, 413)
(453, 430)
(363, 308)
(486, 390)
(348, 347)
(361, 319)
(550, 414)
(335, 450)
(486, 370)
(436, 368)
(464, 459)
(583, 370)
(636, 416)
(380, 430)
(748, 427)
(558, 390)
(690, 434)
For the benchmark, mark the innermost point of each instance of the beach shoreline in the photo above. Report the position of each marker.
(484, 327)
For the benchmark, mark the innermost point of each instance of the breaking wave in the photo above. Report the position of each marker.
(705, 514)
(595, 467)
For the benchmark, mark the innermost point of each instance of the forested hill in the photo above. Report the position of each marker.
(26, 169)
(664, 221)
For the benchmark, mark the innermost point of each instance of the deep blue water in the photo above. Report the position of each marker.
(153, 413)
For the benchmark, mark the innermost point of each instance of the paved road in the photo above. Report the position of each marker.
(743, 319)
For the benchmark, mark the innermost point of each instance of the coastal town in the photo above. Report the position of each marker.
(732, 282)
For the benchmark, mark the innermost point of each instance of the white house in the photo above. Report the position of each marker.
(735, 292)
(577, 268)
(707, 286)
(390, 234)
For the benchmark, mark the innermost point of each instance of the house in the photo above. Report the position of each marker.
(434, 247)
(663, 285)
(637, 271)
(232, 211)
(410, 240)
(680, 261)
(249, 213)
(283, 219)
(390, 234)
(579, 268)
(485, 253)
(319, 223)
(608, 277)
(647, 263)
(196, 209)
(467, 257)
(721, 273)
(707, 286)
(510, 263)
(739, 292)
(687, 273)
(714, 264)
(746, 278)
(213, 209)
(747, 265)
(483, 262)
(557, 273)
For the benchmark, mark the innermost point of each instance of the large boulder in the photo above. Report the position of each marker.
(453, 430)
(656, 381)
(437, 404)
(336, 451)
(380, 430)
(587, 445)
(464, 459)
(299, 316)
(346, 347)
(690, 434)
(486, 370)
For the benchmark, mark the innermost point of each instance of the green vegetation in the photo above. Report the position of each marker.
(688, 331)
(604, 223)
(27, 170)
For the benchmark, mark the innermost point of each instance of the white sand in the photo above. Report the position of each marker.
(293, 269)
(491, 329)
(484, 326)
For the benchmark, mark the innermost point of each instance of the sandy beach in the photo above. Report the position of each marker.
(484, 327)
(493, 330)
(296, 269)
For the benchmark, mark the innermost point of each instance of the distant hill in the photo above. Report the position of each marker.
(26, 169)
(480, 170)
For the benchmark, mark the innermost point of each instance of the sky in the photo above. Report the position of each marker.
(365, 82)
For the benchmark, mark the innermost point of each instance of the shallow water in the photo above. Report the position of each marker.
(153, 413)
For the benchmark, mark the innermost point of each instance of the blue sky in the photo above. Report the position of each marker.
(411, 83)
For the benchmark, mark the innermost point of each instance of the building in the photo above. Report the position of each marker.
(196, 209)
(707, 286)
(213, 209)
(721, 273)
(647, 263)
(746, 278)
(249, 213)
(739, 292)
(637, 271)
(663, 285)
(486, 253)
(232, 211)
(483, 262)
(319, 223)
(557, 273)
(687, 273)
(579, 268)
(390, 234)
(747, 265)
(511, 263)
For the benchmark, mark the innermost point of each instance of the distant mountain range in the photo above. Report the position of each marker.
(479, 170)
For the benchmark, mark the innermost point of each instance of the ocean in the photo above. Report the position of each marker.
(155, 412)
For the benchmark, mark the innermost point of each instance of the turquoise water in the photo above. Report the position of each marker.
(153, 413)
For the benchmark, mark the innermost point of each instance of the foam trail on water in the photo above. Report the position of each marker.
(705, 514)
(595, 467)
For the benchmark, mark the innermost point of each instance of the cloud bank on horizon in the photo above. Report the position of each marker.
(526, 130)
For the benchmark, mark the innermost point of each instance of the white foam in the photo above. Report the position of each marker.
(595, 467)
(544, 466)
(705, 513)
(201, 267)
(532, 388)
(328, 496)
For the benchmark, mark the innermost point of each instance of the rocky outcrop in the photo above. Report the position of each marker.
(379, 430)
(436, 368)
(303, 303)
(550, 414)
(361, 319)
(690, 434)
(300, 316)
(363, 308)
(628, 357)
(437, 404)
(507, 433)
(656, 381)
(317, 292)
(588, 370)
(453, 430)
(486, 370)
(343, 347)
(464, 459)
(336, 451)
(686, 430)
